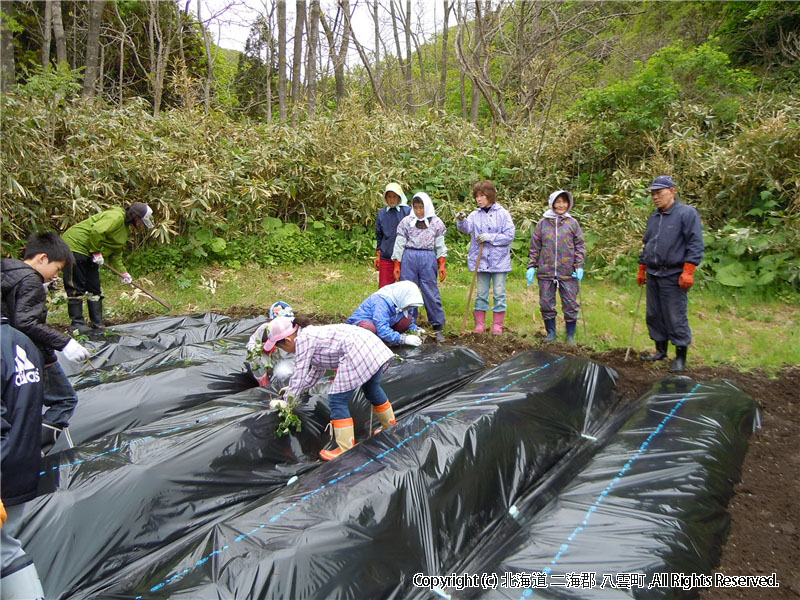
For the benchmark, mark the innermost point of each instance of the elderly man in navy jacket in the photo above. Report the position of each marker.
(673, 247)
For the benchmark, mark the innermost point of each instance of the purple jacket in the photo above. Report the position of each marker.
(557, 245)
(496, 257)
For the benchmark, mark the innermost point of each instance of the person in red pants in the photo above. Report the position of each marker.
(389, 218)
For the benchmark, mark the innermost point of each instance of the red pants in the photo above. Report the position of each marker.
(385, 273)
(402, 325)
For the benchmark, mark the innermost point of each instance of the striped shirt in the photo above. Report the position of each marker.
(357, 354)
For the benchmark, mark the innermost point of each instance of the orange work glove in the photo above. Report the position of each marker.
(377, 260)
(3, 514)
(442, 268)
(641, 277)
(686, 280)
(397, 270)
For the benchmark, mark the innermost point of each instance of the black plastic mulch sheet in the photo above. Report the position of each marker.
(151, 388)
(132, 342)
(121, 498)
(414, 499)
(651, 500)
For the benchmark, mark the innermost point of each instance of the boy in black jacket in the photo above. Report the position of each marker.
(24, 303)
(21, 409)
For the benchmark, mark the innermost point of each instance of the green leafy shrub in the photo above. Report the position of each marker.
(623, 112)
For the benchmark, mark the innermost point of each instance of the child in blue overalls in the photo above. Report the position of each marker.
(420, 254)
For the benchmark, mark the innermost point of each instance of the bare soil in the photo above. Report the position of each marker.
(765, 510)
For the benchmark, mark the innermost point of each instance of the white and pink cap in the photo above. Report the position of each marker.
(279, 328)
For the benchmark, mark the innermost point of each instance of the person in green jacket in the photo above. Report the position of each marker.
(98, 239)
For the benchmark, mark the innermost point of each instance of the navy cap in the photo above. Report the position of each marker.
(662, 182)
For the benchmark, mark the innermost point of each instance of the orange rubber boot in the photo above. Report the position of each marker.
(344, 434)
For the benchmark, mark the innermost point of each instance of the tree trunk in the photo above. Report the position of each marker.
(282, 60)
(160, 41)
(311, 75)
(8, 74)
(339, 56)
(47, 32)
(377, 41)
(268, 90)
(448, 5)
(58, 32)
(297, 58)
(462, 72)
(122, 35)
(209, 81)
(475, 102)
(96, 8)
(409, 81)
(364, 59)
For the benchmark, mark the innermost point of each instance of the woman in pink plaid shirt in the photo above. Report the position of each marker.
(359, 357)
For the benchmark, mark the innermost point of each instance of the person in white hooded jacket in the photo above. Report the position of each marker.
(389, 314)
(420, 254)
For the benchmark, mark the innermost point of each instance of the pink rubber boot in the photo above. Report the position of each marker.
(497, 326)
(480, 320)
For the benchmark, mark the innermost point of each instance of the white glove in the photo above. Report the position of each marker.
(126, 278)
(484, 237)
(419, 331)
(98, 259)
(283, 391)
(461, 215)
(412, 340)
(75, 352)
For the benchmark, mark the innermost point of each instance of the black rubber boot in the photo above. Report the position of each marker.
(96, 313)
(439, 335)
(661, 352)
(550, 327)
(570, 332)
(679, 364)
(75, 310)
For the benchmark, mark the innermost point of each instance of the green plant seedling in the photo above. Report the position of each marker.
(288, 420)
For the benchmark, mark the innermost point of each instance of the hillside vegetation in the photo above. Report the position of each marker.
(234, 189)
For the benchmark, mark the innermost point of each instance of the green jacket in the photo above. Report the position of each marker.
(104, 232)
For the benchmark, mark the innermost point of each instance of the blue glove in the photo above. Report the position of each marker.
(530, 274)
(578, 274)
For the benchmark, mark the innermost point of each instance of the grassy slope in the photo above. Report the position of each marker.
(746, 333)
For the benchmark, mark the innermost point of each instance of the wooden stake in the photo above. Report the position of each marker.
(138, 287)
(472, 288)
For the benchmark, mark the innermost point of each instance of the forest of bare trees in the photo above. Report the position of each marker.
(504, 60)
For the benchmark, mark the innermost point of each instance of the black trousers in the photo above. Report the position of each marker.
(83, 277)
(668, 310)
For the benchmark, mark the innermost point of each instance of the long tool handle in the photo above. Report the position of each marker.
(472, 288)
(138, 287)
(635, 318)
(583, 313)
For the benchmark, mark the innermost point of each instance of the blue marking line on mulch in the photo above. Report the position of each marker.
(627, 467)
(349, 473)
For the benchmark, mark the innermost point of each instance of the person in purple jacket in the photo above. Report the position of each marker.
(490, 226)
(557, 258)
